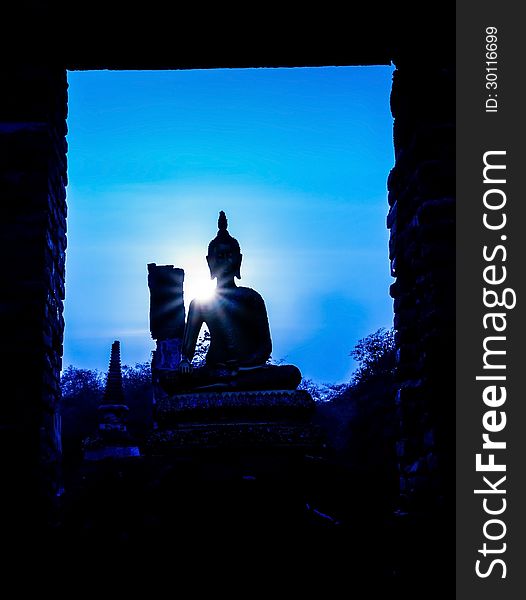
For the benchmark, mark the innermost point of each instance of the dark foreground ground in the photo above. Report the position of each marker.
(281, 522)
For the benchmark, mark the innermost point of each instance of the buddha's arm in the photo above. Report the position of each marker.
(191, 331)
(264, 343)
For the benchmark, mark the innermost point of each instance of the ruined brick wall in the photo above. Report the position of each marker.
(33, 108)
(422, 252)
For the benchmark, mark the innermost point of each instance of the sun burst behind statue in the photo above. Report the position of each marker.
(198, 287)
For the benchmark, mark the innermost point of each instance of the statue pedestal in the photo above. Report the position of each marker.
(296, 404)
(235, 420)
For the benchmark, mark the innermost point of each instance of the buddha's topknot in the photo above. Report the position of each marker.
(223, 236)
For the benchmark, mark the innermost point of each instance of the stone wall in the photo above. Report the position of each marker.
(422, 253)
(33, 108)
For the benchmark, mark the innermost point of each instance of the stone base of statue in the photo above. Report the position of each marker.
(230, 420)
(213, 406)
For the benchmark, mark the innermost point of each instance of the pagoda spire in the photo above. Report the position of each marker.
(114, 393)
(112, 439)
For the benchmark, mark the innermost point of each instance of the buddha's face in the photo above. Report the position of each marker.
(224, 261)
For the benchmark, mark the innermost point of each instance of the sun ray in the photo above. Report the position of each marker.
(198, 287)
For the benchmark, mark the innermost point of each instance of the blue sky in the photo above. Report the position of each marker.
(297, 158)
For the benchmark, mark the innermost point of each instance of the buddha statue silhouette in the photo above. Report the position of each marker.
(240, 342)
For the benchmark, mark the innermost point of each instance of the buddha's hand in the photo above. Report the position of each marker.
(185, 367)
(229, 367)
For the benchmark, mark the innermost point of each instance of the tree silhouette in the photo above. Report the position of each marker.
(375, 355)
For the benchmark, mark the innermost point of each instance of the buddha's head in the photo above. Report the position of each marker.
(224, 254)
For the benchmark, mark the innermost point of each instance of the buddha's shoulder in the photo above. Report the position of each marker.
(247, 293)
